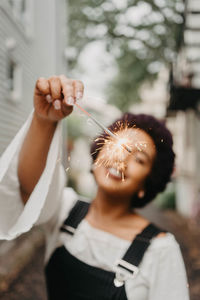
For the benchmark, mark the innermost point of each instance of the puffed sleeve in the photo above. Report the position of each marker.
(15, 217)
(168, 279)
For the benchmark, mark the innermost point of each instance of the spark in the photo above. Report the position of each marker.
(108, 131)
(123, 176)
(115, 146)
(140, 145)
(113, 154)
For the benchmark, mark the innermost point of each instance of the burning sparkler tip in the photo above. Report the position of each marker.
(126, 147)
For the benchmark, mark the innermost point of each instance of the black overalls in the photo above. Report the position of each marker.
(68, 278)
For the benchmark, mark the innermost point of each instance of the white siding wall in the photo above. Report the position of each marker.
(12, 114)
(38, 52)
(49, 37)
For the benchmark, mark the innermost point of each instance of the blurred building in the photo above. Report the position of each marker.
(154, 97)
(180, 105)
(184, 113)
(32, 43)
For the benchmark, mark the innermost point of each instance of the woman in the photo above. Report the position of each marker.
(102, 250)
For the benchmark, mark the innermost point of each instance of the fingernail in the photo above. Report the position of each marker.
(48, 98)
(79, 95)
(57, 104)
(70, 101)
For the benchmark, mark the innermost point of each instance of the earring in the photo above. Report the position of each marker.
(141, 194)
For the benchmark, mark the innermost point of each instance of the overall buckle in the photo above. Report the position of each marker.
(123, 271)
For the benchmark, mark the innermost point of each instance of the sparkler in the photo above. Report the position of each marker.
(112, 155)
(119, 141)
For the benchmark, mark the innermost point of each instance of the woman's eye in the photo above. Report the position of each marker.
(139, 160)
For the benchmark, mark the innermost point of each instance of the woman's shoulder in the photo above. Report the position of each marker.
(69, 199)
(164, 241)
(71, 195)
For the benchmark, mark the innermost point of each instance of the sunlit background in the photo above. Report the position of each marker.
(132, 55)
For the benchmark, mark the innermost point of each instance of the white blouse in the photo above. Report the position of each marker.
(162, 273)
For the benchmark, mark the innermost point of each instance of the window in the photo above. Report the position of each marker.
(11, 2)
(11, 72)
(23, 10)
(13, 80)
(23, 6)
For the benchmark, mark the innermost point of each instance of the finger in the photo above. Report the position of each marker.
(49, 98)
(63, 77)
(62, 108)
(42, 88)
(57, 104)
(79, 89)
(66, 109)
(55, 87)
(68, 91)
(42, 85)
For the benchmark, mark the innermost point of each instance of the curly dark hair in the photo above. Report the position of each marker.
(164, 161)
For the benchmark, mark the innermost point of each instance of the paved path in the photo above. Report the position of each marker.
(30, 284)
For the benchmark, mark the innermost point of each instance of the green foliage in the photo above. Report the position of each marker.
(142, 36)
(167, 199)
(74, 126)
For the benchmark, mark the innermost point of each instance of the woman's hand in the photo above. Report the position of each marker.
(54, 97)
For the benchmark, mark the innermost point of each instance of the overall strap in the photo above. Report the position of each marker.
(141, 242)
(128, 265)
(77, 213)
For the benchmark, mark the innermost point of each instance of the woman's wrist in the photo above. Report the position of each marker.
(43, 121)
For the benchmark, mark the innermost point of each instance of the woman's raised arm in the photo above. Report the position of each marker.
(53, 101)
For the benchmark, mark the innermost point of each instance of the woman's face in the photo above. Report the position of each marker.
(118, 172)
